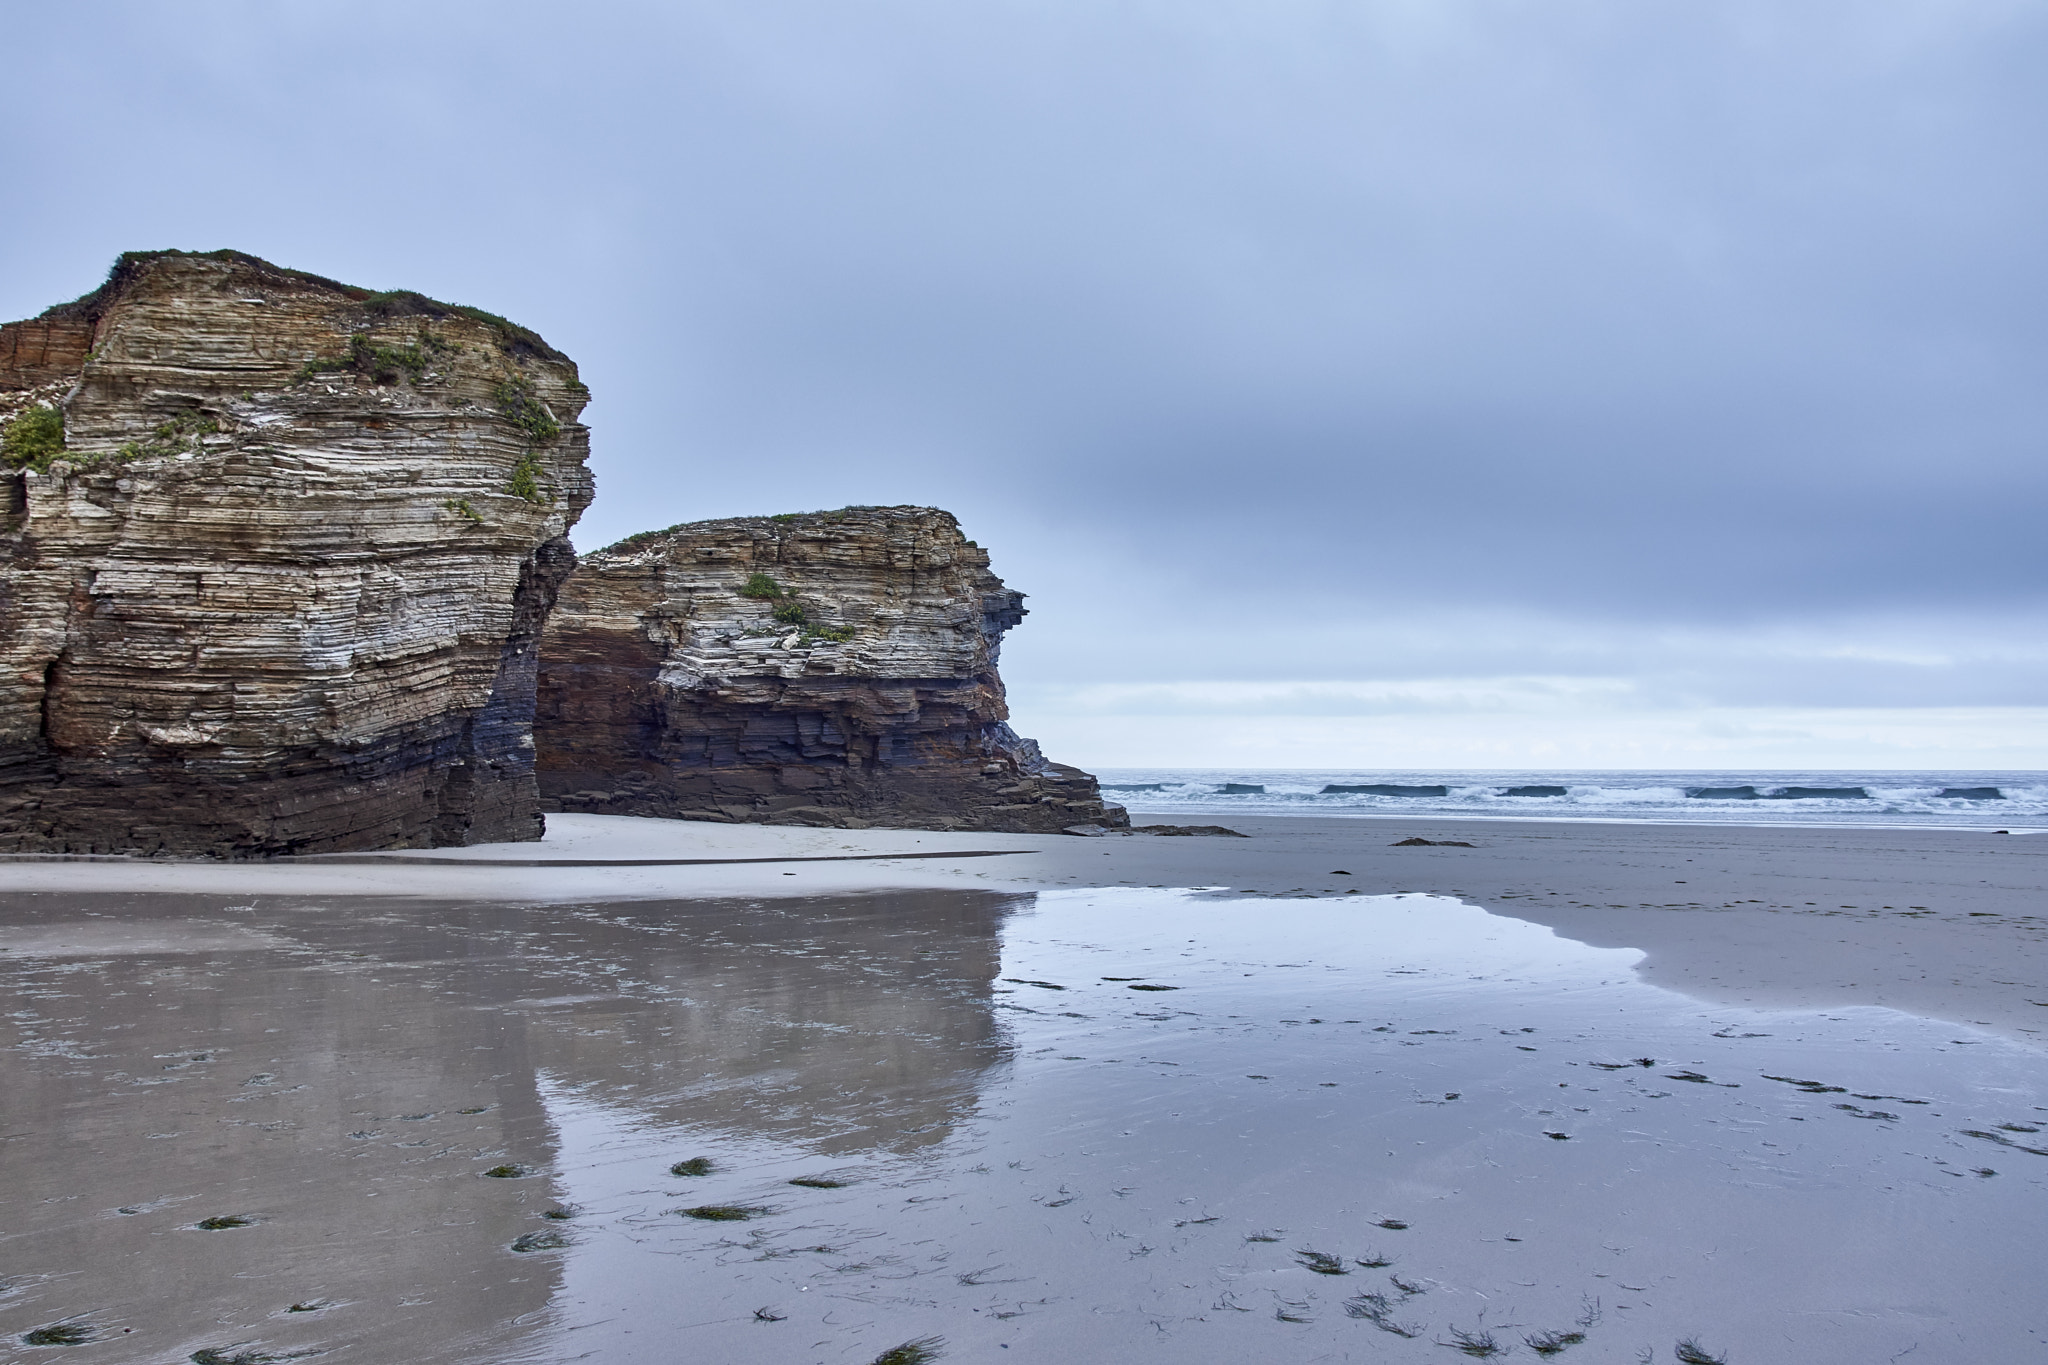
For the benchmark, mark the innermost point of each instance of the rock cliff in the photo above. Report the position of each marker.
(277, 554)
(832, 668)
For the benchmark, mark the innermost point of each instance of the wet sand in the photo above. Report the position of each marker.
(1059, 1098)
(1951, 924)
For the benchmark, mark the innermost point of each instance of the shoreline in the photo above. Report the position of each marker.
(1945, 924)
(1165, 816)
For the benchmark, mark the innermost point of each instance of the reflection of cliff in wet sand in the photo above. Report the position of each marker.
(285, 1107)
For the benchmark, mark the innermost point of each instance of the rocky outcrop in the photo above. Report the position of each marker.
(832, 668)
(277, 556)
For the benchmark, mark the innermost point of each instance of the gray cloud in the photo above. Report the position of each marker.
(1287, 340)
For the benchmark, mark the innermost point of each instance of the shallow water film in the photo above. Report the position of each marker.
(1078, 1126)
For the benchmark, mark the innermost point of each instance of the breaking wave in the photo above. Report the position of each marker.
(1990, 800)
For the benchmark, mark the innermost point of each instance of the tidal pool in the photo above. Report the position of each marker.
(1103, 1125)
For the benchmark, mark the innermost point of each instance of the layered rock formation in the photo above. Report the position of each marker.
(277, 554)
(833, 668)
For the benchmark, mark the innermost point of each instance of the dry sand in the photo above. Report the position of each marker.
(1948, 924)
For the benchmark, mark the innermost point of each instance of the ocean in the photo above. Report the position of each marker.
(2017, 801)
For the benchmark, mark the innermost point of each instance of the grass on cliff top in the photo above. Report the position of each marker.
(405, 303)
(388, 303)
(639, 538)
(33, 439)
(778, 519)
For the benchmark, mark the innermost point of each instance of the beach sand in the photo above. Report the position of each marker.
(1302, 1095)
(1950, 924)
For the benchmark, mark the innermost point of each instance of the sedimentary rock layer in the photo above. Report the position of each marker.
(280, 588)
(833, 668)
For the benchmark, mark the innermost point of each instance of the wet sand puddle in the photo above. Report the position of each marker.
(1085, 1125)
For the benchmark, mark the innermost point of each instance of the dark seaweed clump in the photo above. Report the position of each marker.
(1553, 1343)
(221, 1221)
(1378, 1310)
(1478, 1345)
(724, 1213)
(1321, 1262)
(59, 1334)
(696, 1165)
(919, 1352)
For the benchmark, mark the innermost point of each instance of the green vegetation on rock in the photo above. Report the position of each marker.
(178, 436)
(521, 406)
(389, 303)
(525, 482)
(384, 364)
(788, 611)
(635, 541)
(33, 439)
(516, 340)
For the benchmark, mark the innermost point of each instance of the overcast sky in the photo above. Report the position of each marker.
(1462, 383)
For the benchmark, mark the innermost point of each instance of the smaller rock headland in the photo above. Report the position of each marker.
(827, 668)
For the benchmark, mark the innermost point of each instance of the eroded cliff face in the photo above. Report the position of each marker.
(281, 587)
(834, 668)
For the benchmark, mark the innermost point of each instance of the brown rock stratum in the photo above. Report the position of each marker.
(281, 588)
(834, 668)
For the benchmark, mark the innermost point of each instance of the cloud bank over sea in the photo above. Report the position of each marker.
(1666, 374)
